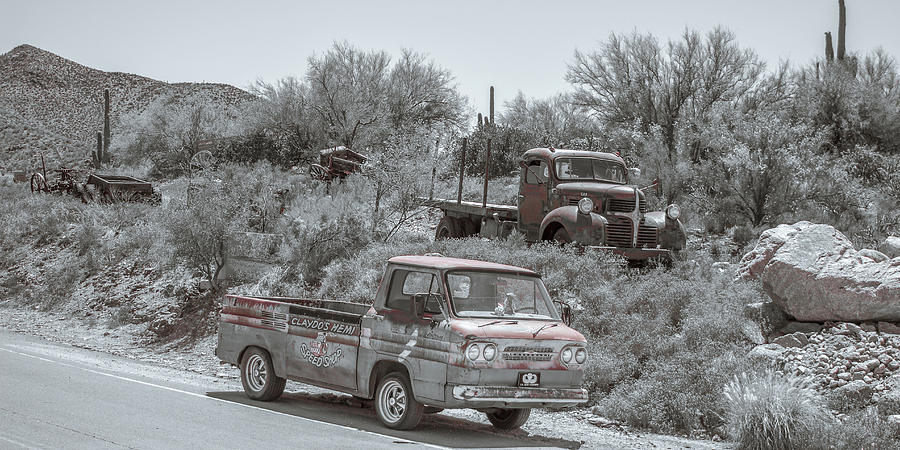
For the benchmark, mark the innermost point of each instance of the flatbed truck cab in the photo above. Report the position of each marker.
(442, 333)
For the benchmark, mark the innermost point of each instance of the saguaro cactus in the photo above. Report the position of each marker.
(842, 30)
(829, 49)
(104, 158)
(98, 154)
(492, 103)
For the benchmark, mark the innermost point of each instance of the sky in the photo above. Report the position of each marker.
(512, 45)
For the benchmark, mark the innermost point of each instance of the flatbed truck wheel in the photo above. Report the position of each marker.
(258, 376)
(562, 236)
(448, 228)
(394, 402)
(509, 419)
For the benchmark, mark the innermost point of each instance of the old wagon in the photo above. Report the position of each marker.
(336, 162)
(112, 188)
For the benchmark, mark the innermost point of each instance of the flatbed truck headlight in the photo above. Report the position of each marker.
(672, 212)
(585, 205)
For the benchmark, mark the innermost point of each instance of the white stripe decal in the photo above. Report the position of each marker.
(412, 343)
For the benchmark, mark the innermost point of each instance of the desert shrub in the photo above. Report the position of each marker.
(198, 232)
(742, 235)
(863, 429)
(772, 411)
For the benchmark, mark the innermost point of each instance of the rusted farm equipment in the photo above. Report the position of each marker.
(336, 162)
(64, 181)
(114, 188)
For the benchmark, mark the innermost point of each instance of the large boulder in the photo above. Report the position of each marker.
(891, 247)
(813, 273)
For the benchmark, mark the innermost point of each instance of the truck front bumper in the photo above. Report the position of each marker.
(517, 397)
(638, 254)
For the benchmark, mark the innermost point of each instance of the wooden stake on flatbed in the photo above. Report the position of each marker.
(462, 171)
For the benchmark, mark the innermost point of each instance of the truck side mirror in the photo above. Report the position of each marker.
(417, 305)
(565, 311)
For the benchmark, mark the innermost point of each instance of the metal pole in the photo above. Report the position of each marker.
(487, 172)
(462, 171)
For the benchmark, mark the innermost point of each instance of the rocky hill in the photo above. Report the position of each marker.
(54, 105)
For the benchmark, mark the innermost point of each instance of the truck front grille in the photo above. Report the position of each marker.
(626, 205)
(647, 236)
(525, 353)
(619, 231)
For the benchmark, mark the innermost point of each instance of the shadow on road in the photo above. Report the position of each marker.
(436, 429)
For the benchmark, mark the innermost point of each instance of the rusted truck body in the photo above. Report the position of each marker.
(572, 196)
(442, 333)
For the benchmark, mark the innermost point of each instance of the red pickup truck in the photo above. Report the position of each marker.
(442, 333)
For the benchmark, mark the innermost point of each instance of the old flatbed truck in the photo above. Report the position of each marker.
(571, 196)
(442, 333)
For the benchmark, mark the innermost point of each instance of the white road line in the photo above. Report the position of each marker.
(194, 394)
(15, 442)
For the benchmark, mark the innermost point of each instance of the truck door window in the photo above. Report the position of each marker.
(405, 284)
(536, 172)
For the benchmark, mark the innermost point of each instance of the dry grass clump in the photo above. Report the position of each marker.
(773, 411)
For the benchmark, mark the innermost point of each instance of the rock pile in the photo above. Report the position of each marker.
(838, 356)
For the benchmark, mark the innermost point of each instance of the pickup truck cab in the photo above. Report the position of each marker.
(442, 333)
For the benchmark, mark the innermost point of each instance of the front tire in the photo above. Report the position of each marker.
(258, 376)
(561, 236)
(394, 402)
(509, 419)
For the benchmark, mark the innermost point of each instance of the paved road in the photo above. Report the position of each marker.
(54, 396)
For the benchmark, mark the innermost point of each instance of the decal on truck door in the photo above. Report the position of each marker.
(317, 352)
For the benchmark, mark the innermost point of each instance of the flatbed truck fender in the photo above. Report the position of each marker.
(582, 228)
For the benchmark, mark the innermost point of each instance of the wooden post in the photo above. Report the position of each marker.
(462, 171)
(487, 173)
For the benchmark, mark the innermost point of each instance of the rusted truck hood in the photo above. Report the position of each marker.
(593, 189)
(523, 329)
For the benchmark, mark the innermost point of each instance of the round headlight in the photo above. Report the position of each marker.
(566, 355)
(585, 205)
(580, 355)
(490, 350)
(673, 212)
(472, 352)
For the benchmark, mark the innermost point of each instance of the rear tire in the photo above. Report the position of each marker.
(448, 228)
(509, 419)
(394, 402)
(258, 376)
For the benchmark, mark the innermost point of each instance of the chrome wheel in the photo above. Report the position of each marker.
(255, 372)
(392, 401)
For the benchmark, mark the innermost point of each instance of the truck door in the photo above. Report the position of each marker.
(322, 346)
(421, 344)
(533, 198)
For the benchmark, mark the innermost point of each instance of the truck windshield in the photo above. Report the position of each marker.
(590, 169)
(494, 294)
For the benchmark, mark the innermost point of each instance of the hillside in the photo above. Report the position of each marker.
(54, 105)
